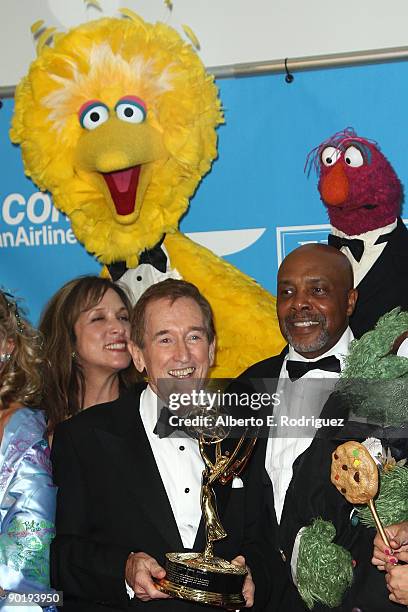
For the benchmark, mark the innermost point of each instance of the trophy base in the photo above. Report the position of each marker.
(214, 582)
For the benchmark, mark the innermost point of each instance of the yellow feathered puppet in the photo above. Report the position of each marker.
(118, 121)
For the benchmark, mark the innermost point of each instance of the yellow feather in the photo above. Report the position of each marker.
(93, 3)
(56, 37)
(37, 25)
(45, 37)
(169, 4)
(132, 16)
(105, 272)
(191, 36)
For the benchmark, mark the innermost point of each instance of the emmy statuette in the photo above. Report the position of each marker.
(203, 577)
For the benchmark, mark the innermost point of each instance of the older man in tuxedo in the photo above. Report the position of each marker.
(128, 495)
(315, 299)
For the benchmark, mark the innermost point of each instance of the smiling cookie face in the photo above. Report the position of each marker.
(354, 472)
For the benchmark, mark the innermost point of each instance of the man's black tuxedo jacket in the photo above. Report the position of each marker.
(384, 286)
(111, 501)
(311, 495)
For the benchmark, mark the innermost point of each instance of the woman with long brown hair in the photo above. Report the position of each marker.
(85, 327)
(27, 495)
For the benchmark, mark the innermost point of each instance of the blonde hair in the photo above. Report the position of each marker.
(21, 376)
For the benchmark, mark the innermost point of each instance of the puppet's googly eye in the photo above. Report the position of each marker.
(131, 109)
(353, 157)
(403, 349)
(330, 155)
(92, 114)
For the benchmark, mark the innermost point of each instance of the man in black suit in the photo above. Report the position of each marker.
(314, 301)
(127, 496)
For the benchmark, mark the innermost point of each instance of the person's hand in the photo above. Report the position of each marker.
(398, 539)
(248, 590)
(140, 571)
(397, 580)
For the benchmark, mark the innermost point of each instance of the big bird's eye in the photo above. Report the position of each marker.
(131, 109)
(92, 114)
(353, 157)
(330, 155)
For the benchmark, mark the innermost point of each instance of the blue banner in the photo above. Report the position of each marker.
(255, 206)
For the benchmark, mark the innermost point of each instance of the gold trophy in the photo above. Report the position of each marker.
(203, 577)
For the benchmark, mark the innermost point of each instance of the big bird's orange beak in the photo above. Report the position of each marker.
(119, 158)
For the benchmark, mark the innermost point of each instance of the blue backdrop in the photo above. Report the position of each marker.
(258, 180)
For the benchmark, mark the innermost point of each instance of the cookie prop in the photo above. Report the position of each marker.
(354, 473)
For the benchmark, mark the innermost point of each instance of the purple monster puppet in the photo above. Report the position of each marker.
(363, 196)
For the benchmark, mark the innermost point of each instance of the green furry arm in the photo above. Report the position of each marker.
(324, 570)
(392, 501)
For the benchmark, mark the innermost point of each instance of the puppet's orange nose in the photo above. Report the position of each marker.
(334, 187)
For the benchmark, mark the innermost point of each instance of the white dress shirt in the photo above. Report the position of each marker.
(180, 466)
(297, 399)
(371, 253)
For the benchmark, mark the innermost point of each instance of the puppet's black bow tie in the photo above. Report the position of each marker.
(355, 245)
(156, 257)
(164, 426)
(297, 369)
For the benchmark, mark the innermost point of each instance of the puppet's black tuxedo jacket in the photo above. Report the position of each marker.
(385, 285)
(311, 495)
(111, 501)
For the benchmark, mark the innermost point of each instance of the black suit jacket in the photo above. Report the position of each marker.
(111, 501)
(263, 377)
(384, 287)
(311, 495)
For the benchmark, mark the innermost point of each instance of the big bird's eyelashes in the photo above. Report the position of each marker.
(129, 108)
(92, 114)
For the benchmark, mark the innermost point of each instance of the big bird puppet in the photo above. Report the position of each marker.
(117, 119)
